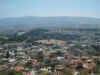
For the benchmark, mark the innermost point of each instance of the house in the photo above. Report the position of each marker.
(59, 67)
(3, 68)
(18, 68)
(89, 65)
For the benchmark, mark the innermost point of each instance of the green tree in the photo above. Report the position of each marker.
(29, 64)
(44, 73)
(40, 56)
(14, 72)
(83, 72)
(3, 73)
(11, 72)
(97, 68)
(67, 71)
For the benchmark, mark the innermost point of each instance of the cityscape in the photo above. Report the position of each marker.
(49, 37)
(52, 52)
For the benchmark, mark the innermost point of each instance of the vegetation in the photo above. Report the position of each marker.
(44, 73)
(40, 56)
(67, 71)
(11, 72)
(83, 72)
(28, 64)
(97, 68)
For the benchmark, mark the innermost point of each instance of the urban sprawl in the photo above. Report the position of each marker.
(51, 51)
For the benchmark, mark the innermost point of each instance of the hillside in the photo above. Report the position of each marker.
(26, 23)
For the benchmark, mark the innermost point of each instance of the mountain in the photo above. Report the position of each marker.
(30, 22)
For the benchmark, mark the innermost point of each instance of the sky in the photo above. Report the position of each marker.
(19, 8)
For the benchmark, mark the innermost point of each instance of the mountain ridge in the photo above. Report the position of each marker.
(53, 21)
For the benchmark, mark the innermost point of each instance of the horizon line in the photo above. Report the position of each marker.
(53, 16)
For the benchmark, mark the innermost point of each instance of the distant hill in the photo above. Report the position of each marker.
(30, 22)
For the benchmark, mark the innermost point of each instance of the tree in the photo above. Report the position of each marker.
(67, 71)
(40, 56)
(11, 72)
(29, 64)
(96, 70)
(44, 73)
(7, 55)
(83, 72)
(14, 72)
(3, 73)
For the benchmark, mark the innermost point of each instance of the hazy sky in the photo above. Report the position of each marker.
(18, 8)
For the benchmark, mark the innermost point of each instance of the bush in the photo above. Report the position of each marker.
(11, 72)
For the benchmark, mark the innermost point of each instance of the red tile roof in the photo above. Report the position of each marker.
(19, 68)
